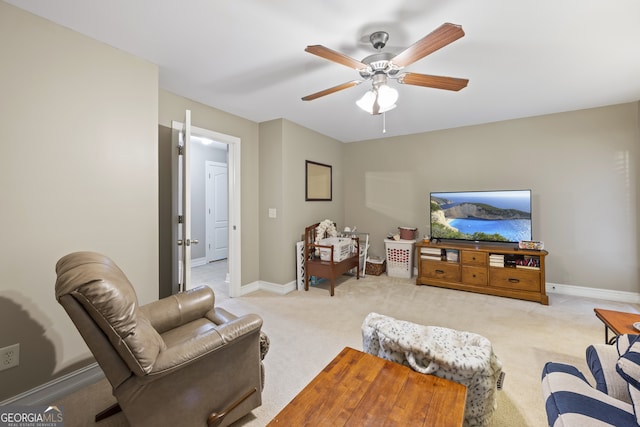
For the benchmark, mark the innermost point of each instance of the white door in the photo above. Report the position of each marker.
(183, 223)
(217, 212)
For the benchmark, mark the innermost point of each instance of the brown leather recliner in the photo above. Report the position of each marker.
(174, 362)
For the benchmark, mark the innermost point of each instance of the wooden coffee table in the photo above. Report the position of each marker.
(358, 389)
(619, 322)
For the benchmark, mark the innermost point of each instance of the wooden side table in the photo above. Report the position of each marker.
(619, 322)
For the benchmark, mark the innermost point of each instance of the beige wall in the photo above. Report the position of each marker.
(284, 147)
(173, 107)
(271, 243)
(78, 171)
(582, 167)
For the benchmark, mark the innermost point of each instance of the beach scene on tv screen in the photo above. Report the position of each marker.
(494, 216)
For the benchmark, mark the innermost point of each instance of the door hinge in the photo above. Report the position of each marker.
(179, 219)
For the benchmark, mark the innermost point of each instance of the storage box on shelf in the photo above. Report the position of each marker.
(342, 248)
(485, 268)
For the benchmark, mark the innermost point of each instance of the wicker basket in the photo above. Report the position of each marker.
(375, 269)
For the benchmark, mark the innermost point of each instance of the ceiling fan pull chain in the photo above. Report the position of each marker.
(384, 122)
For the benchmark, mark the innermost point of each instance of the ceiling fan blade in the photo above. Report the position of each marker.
(331, 90)
(332, 55)
(440, 37)
(437, 82)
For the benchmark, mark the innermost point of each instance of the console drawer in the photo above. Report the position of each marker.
(474, 258)
(441, 270)
(513, 278)
(474, 275)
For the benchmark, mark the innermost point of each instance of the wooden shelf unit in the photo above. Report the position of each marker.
(484, 268)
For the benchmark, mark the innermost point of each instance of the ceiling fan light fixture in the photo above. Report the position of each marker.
(367, 100)
(386, 97)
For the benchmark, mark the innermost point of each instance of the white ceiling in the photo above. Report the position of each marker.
(522, 58)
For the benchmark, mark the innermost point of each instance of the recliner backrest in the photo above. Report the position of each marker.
(106, 294)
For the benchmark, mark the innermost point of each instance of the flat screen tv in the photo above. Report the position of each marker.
(482, 216)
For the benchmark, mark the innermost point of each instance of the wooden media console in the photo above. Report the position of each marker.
(486, 268)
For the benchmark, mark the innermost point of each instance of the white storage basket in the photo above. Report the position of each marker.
(399, 257)
(342, 248)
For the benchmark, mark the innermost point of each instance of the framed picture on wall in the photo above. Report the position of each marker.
(318, 185)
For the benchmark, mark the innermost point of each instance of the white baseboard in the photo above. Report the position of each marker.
(268, 286)
(582, 291)
(197, 262)
(277, 288)
(248, 288)
(551, 288)
(54, 390)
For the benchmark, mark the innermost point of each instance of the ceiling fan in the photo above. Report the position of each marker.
(382, 66)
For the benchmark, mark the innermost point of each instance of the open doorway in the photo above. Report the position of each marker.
(175, 160)
(210, 214)
(212, 259)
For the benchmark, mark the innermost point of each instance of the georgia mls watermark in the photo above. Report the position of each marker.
(31, 416)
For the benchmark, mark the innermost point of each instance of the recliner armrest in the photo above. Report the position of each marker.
(175, 310)
(219, 316)
(190, 351)
(242, 325)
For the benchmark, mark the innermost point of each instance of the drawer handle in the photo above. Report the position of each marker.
(439, 271)
(511, 280)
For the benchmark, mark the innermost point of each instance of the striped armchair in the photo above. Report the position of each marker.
(570, 400)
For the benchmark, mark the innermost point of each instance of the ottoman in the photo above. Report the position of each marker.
(463, 357)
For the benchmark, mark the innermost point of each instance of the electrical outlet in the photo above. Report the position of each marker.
(9, 356)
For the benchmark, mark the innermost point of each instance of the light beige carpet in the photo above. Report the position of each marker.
(307, 329)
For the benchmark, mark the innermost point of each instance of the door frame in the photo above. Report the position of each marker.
(235, 196)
